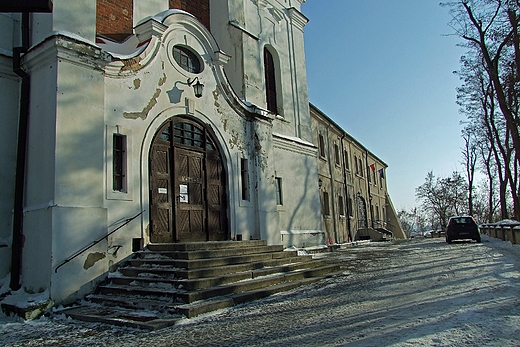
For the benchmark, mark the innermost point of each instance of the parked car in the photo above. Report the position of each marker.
(415, 234)
(462, 228)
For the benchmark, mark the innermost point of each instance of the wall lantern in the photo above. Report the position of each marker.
(197, 87)
(320, 182)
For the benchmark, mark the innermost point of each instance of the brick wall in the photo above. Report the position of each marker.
(114, 19)
(198, 8)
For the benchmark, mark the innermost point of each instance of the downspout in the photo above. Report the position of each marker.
(332, 190)
(18, 237)
(346, 204)
(368, 190)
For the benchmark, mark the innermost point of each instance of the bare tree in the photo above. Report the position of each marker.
(470, 158)
(490, 30)
(443, 197)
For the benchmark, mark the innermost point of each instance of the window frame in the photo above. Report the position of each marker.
(321, 146)
(270, 77)
(337, 159)
(127, 191)
(326, 204)
(279, 190)
(347, 162)
(188, 60)
(341, 207)
(244, 179)
(119, 168)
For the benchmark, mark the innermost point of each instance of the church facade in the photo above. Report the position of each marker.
(130, 122)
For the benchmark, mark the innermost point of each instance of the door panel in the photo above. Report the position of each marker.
(189, 183)
(160, 194)
(217, 226)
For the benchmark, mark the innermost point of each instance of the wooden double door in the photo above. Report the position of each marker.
(187, 185)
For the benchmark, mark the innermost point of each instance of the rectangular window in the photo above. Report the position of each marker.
(119, 163)
(341, 206)
(326, 204)
(349, 206)
(244, 179)
(270, 82)
(279, 195)
(347, 163)
(336, 154)
(321, 145)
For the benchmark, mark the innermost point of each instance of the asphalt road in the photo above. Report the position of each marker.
(420, 292)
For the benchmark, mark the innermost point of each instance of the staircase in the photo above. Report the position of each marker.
(167, 282)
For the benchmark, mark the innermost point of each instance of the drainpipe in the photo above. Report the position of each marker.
(18, 237)
(332, 190)
(346, 204)
(368, 190)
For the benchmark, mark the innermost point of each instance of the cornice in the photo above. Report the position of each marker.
(64, 48)
(297, 18)
(294, 146)
(6, 68)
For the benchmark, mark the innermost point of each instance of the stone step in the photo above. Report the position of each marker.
(123, 317)
(135, 302)
(205, 306)
(206, 263)
(205, 254)
(168, 281)
(209, 245)
(121, 289)
(216, 271)
(168, 290)
(146, 315)
(173, 272)
(253, 284)
(225, 277)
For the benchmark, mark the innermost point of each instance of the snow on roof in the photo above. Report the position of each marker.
(294, 139)
(124, 50)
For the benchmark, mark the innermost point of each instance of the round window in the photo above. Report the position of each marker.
(186, 59)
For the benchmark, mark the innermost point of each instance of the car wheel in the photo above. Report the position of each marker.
(479, 240)
(448, 240)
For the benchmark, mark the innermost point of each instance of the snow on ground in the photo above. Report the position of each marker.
(420, 292)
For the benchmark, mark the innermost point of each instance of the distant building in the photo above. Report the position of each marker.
(192, 117)
(355, 203)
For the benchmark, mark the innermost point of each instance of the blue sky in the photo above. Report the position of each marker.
(383, 70)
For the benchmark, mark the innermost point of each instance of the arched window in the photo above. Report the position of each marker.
(270, 81)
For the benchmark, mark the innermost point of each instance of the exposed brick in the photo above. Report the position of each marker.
(114, 19)
(198, 8)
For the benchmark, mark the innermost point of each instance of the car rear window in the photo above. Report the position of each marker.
(463, 220)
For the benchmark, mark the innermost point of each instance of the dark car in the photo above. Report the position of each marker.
(462, 228)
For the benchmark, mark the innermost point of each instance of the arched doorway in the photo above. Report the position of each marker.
(187, 185)
(362, 213)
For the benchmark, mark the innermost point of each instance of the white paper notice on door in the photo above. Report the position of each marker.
(163, 190)
(183, 193)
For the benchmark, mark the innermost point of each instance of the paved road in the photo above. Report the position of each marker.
(410, 293)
